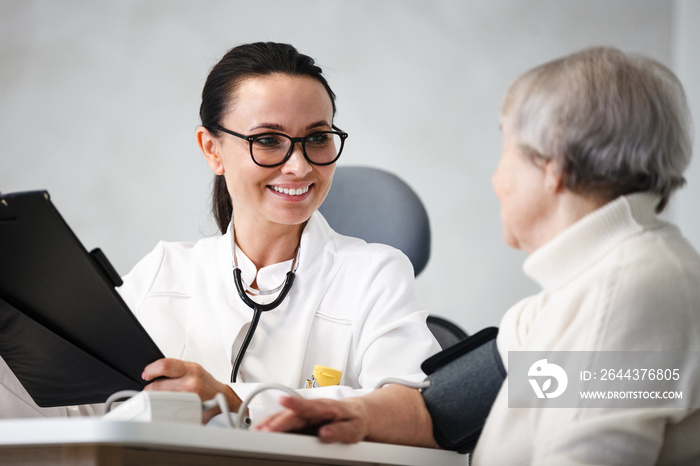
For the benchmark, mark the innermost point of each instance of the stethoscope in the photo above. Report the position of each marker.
(243, 291)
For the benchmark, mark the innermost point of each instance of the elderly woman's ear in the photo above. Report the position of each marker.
(551, 172)
(553, 180)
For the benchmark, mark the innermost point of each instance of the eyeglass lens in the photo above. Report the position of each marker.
(271, 149)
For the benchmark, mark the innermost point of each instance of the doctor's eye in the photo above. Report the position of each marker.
(318, 139)
(269, 141)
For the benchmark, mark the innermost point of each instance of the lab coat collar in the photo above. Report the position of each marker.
(583, 243)
(314, 237)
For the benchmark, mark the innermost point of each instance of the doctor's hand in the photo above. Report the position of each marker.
(174, 375)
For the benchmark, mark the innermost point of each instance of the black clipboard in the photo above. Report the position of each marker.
(64, 330)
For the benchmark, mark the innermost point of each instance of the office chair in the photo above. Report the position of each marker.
(445, 332)
(379, 207)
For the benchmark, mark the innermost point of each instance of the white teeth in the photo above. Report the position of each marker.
(291, 192)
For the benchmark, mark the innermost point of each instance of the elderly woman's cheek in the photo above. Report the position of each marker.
(497, 182)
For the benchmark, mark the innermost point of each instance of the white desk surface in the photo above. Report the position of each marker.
(214, 440)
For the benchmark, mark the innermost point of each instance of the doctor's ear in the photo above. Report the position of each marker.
(210, 147)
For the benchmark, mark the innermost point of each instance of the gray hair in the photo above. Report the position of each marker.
(616, 123)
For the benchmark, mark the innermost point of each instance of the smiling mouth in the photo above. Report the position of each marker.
(291, 192)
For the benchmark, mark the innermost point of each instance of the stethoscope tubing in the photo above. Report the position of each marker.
(258, 309)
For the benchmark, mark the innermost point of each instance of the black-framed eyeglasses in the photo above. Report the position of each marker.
(273, 149)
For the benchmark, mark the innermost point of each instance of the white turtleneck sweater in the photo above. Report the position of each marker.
(619, 279)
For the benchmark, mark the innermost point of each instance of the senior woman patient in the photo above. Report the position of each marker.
(594, 145)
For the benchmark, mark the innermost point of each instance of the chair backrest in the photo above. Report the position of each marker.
(379, 207)
(445, 332)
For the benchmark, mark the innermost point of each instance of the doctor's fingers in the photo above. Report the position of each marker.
(171, 368)
(204, 386)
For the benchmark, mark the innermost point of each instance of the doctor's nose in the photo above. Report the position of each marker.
(296, 163)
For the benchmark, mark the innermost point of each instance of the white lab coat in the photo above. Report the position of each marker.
(353, 307)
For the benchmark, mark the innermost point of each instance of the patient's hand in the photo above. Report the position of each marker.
(343, 421)
(392, 414)
(174, 375)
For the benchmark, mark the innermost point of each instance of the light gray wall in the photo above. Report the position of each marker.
(685, 210)
(99, 102)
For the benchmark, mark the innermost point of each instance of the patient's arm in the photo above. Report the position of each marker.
(392, 414)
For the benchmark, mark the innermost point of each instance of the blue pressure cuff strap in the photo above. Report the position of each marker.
(464, 381)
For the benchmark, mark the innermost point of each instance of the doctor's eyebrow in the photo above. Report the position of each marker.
(319, 124)
(278, 127)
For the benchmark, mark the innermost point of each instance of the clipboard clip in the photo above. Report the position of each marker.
(106, 266)
(5, 210)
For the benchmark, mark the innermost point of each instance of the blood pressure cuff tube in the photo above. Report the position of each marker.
(464, 381)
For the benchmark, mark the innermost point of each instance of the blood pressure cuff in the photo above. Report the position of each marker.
(464, 381)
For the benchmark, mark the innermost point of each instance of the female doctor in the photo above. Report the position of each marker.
(279, 292)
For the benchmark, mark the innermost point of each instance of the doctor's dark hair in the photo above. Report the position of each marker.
(615, 123)
(219, 93)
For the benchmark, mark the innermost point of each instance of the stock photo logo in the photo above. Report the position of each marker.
(540, 376)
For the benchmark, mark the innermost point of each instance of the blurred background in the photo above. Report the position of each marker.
(99, 103)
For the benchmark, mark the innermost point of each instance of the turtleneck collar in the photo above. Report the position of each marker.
(567, 254)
